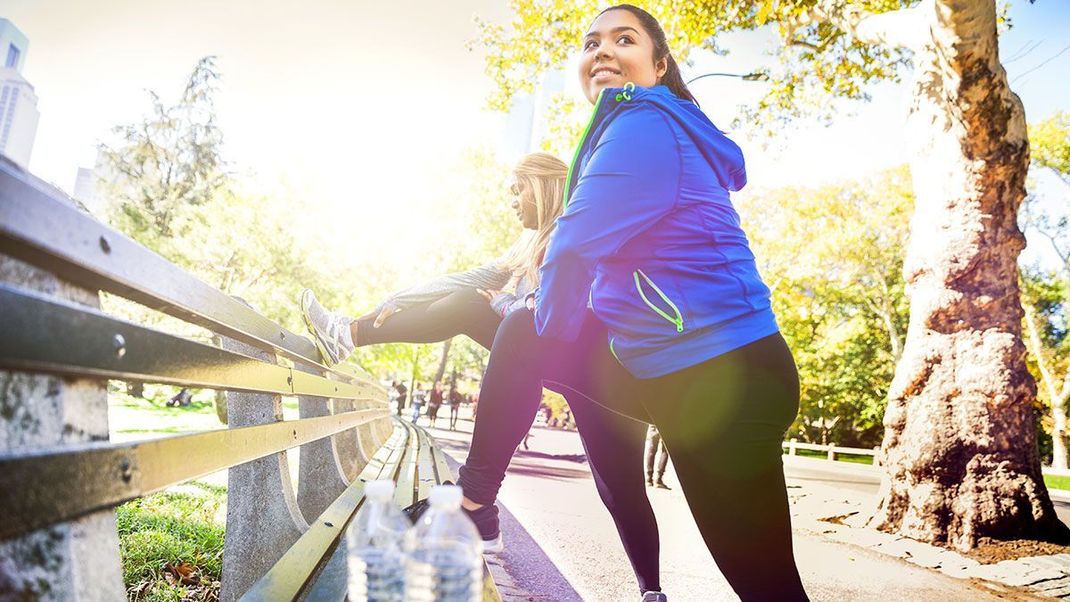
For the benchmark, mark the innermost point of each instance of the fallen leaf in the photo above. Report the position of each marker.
(838, 520)
(184, 573)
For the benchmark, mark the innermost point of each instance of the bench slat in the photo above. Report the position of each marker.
(427, 474)
(42, 334)
(42, 487)
(45, 231)
(404, 493)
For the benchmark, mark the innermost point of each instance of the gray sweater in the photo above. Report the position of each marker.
(492, 276)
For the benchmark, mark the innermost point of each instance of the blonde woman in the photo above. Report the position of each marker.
(472, 303)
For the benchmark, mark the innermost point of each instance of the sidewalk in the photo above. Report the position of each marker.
(550, 492)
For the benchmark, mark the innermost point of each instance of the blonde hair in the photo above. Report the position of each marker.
(544, 175)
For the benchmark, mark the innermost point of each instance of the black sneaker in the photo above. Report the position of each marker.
(485, 520)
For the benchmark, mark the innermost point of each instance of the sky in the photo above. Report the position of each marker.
(363, 106)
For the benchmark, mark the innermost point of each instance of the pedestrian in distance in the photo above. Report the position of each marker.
(434, 402)
(650, 301)
(455, 407)
(400, 394)
(657, 458)
(419, 396)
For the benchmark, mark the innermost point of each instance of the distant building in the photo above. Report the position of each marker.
(85, 190)
(526, 125)
(18, 102)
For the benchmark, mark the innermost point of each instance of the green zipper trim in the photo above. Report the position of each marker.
(678, 320)
(583, 140)
(612, 350)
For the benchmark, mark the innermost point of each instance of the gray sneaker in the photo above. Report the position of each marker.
(655, 597)
(326, 328)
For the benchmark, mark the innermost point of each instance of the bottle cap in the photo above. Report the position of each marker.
(379, 491)
(446, 496)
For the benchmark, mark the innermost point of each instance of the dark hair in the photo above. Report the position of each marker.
(672, 78)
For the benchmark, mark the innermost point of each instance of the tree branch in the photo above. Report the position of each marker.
(903, 28)
(804, 44)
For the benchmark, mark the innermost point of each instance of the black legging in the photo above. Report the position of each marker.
(464, 312)
(722, 421)
(613, 443)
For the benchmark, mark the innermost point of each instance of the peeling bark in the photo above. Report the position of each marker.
(959, 448)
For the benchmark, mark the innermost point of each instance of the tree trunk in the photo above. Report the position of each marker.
(442, 362)
(1058, 436)
(220, 398)
(959, 446)
(1056, 396)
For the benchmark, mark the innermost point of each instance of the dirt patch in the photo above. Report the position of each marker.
(991, 551)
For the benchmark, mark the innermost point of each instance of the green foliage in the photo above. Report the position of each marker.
(833, 258)
(166, 187)
(1049, 144)
(172, 528)
(1045, 290)
(819, 61)
(566, 118)
(166, 163)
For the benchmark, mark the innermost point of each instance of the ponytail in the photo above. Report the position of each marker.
(674, 81)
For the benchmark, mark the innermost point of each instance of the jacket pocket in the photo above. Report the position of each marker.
(670, 312)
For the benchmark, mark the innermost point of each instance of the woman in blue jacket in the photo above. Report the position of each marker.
(650, 302)
(458, 304)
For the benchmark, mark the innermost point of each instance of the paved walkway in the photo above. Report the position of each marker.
(550, 492)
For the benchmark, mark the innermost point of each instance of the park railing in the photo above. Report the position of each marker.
(835, 452)
(831, 452)
(60, 477)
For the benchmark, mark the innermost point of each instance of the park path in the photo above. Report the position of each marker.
(552, 496)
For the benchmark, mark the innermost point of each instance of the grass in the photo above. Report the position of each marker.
(134, 417)
(183, 525)
(1057, 482)
(839, 457)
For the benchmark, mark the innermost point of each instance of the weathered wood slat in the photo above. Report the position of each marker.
(42, 487)
(46, 231)
(42, 334)
(405, 491)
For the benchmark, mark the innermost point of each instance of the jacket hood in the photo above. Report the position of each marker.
(723, 155)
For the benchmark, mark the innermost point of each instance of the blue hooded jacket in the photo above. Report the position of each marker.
(650, 240)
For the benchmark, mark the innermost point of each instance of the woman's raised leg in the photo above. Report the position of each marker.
(463, 312)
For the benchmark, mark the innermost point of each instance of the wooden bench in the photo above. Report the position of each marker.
(60, 478)
(316, 565)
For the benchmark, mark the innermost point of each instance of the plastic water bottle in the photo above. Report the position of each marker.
(375, 543)
(445, 554)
